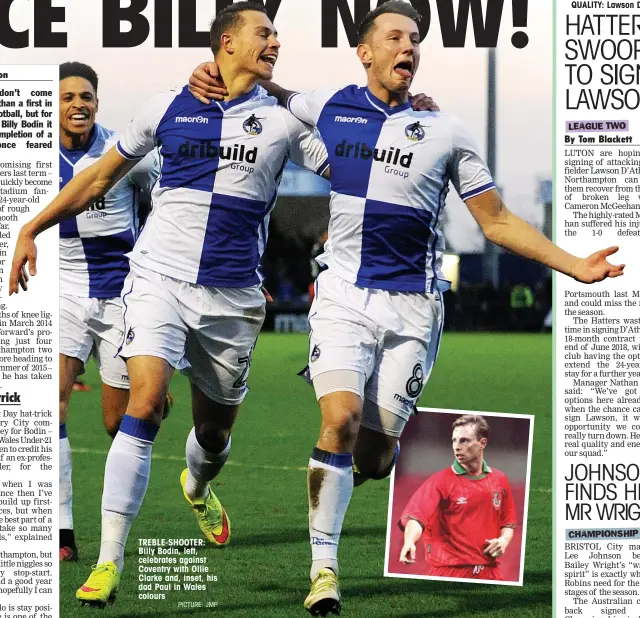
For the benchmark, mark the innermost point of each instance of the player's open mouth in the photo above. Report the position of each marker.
(269, 59)
(404, 69)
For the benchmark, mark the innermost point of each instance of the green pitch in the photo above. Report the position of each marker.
(264, 571)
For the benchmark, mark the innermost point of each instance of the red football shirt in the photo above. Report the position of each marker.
(459, 512)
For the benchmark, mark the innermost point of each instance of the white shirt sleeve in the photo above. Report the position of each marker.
(469, 173)
(307, 106)
(306, 149)
(145, 174)
(139, 138)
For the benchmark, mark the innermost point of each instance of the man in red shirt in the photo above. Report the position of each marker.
(467, 511)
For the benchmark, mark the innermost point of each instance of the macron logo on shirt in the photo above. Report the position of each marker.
(356, 119)
(193, 119)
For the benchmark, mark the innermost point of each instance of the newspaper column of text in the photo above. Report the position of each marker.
(28, 348)
(597, 405)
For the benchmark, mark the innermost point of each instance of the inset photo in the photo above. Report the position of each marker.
(459, 497)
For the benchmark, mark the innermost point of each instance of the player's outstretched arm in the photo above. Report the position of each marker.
(507, 230)
(412, 532)
(82, 191)
(497, 547)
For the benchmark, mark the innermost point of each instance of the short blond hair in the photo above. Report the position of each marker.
(480, 425)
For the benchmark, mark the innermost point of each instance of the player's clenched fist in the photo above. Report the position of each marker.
(408, 553)
(25, 252)
(496, 547)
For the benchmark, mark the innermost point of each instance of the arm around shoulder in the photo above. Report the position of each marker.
(273, 90)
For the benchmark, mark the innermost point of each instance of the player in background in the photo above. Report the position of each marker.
(467, 511)
(193, 298)
(93, 267)
(377, 316)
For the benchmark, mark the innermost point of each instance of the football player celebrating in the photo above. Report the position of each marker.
(193, 297)
(93, 267)
(377, 316)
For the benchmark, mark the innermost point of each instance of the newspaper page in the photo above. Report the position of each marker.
(597, 345)
(29, 336)
(81, 77)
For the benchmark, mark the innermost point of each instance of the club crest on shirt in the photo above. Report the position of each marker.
(414, 132)
(497, 499)
(315, 353)
(252, 125)
(130, 336)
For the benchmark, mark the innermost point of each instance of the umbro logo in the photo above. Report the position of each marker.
(192, 119)
(356, 119)
(461, 500)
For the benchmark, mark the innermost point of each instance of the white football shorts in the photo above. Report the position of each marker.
(206, 332)
(392, 338)
(94, 325)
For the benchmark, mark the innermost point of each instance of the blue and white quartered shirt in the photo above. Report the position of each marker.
(94, 244)
(390, 171)
(220, 169)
